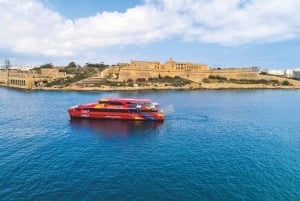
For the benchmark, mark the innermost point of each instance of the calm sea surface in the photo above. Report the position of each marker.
(216, 145)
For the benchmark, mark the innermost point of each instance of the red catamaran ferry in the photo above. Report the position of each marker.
(118, 108)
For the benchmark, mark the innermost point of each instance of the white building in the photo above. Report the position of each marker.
(296, 73)
(289, 73)
(277, 72)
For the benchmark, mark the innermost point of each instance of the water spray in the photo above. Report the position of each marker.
(168, 110)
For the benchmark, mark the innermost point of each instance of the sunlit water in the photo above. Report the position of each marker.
(216, 145)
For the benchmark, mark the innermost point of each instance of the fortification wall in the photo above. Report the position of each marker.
(52, 73)
(191, 71)
(239, 73)
(196, 76)
(3, 76)
(19, 79)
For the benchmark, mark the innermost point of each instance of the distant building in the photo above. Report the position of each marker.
(7, 64)
(276, 72)
(289, 73)
(297, 73)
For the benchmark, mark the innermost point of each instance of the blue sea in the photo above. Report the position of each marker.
(215, 145)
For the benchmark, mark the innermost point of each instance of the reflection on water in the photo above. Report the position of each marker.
(118, 128)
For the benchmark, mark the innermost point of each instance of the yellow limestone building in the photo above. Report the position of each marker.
(195, 72)
(28, 79)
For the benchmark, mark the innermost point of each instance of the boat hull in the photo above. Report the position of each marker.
(143, 116)
(118, 108)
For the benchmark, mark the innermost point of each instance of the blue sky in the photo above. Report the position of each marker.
(219, 33)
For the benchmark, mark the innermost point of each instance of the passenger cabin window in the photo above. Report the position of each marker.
(108, 110)
(114, 103)
(141, 103)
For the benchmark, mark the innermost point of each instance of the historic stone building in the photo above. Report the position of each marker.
(28, 79)
(19, 79)
(195, 72)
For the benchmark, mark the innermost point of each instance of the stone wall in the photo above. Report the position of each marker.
(50, 73)
(27, 79)
(194, 72)
(3, 76)
(19, 79)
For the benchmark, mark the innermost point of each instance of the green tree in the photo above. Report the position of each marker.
(285, 83)
(97, 65)
(48, 65)
(72, 64)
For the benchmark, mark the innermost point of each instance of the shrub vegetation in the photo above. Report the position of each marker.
(79, 74)
(214, 78)
(173, 81)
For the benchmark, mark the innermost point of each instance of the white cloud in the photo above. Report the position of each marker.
(235, 22)
(28, 26)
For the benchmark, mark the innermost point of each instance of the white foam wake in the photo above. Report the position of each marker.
(168, 110)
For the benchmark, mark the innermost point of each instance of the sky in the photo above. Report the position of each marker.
(219, 33)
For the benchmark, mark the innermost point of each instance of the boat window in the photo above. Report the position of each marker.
(108, 110)
(119, 110)
(146, 104)
(142, 103)
(114, 103)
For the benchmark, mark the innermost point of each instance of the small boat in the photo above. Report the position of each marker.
(118, 108)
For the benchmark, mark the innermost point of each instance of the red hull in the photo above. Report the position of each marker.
(127, 109)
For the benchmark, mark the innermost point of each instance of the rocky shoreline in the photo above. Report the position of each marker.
(152, 88)
(293, 84)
